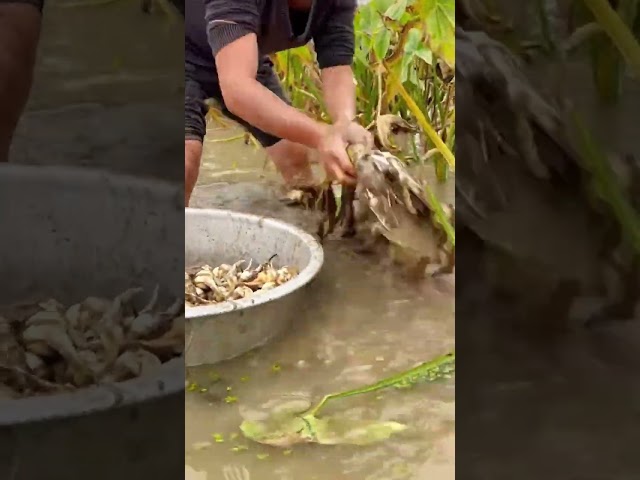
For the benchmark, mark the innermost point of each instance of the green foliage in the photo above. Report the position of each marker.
(439, 16)
(411, 40)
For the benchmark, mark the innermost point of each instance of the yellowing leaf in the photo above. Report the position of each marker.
(440, 24)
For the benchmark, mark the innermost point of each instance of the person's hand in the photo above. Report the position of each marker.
(355, 134)
(333, 150)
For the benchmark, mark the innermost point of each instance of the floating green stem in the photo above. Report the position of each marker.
(428, 371)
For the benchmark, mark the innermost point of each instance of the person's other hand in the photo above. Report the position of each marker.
(355, 134)
(333, 150)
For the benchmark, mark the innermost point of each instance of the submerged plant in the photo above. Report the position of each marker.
(293, 424)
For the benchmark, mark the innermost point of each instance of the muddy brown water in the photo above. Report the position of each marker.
(362, 322)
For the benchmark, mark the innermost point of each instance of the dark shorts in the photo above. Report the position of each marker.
(201, 84)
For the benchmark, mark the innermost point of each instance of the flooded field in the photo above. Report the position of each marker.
(363, 322)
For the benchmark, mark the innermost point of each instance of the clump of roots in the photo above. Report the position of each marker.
(205, 285)
(47, 347)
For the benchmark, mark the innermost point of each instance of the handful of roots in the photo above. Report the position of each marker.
(390, 208)
(206, 285)
(47, 348)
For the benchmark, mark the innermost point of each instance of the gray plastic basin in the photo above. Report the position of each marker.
(226, 330)
(69, 233)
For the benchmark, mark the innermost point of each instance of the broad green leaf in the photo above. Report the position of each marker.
(396, 10)
(334, 431)
(364, 44)
(288, 424)
(440, 26)
(324, 431)
(361, 57)
(414, 41)
(381, 44)
(381, 5)
(368, 19)
(425, 54)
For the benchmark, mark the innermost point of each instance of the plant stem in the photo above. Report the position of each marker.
(428, 371)
(441, 216)
(422, 120)
(228, 139)
(616, 29)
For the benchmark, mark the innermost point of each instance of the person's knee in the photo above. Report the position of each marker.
(293, 161)
(289, 152)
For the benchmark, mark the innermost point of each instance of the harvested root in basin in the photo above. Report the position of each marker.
(206, 285)
(49, 348)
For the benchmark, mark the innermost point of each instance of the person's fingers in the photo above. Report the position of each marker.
(334, 171)
(346, 178)
(338, 174)
(344, 162)
(349, 180)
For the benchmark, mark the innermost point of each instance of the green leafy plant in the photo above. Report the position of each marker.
(290, 425)
(405, 56)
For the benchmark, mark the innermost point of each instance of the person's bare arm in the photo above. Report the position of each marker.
(335, 46)
(232, 28)
(19, 35)
(339, 92)
(245, 97)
